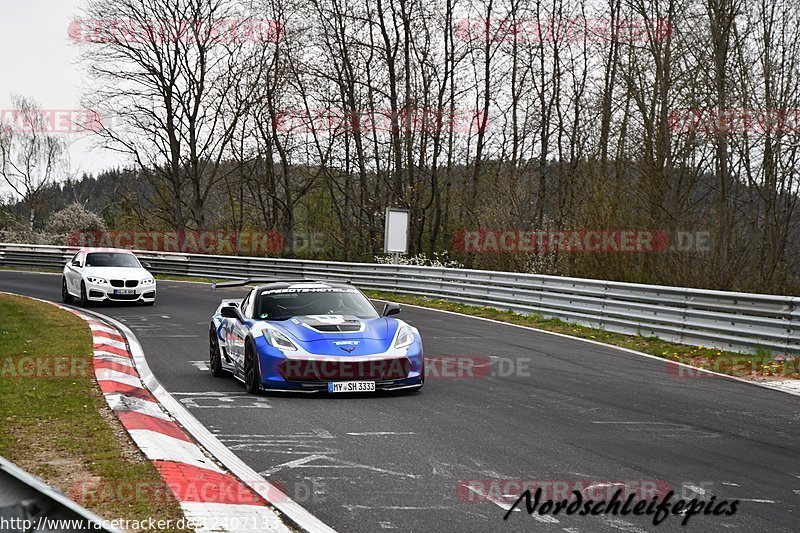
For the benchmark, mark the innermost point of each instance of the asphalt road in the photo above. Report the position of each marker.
(546, 409)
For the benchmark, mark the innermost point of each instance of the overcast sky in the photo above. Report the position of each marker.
(38, 60)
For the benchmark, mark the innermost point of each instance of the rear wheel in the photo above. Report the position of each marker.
(66, 297)
(214, 356)
(252, 374)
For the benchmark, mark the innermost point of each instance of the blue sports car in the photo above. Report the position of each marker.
(302, 335)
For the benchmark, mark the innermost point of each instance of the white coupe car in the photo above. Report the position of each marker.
(101, 275)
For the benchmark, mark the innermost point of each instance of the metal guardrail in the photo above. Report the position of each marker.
(734, 321)
(28, 504)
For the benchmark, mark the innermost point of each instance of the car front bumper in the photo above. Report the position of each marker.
(105, 293)
(400, 369)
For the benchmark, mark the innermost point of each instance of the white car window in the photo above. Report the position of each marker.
(247, 305)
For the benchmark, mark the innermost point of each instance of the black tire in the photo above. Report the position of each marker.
(214, 356)
(66, 297)
(84, 300)
(252, 374)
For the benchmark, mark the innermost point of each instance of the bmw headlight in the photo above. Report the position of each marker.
(405, 337)
(278, 340)
(96, 281)
(148, 281)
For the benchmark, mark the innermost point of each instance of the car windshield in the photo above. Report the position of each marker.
(112, 260)
(280, 304)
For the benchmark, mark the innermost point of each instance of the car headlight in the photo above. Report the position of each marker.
(148, 281)
(96, 281)
(405, 337)
(278, 340)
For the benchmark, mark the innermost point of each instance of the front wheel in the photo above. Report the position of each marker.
(252, 374)
(214, 358)
(84, 301)
(66, 297)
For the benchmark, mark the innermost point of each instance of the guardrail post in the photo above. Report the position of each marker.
(793, 341)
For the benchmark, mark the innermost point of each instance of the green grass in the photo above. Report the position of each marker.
(58, 426)
(760, 365)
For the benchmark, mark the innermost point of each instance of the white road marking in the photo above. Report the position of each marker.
(645, 422)
(303, 462)
(398, 507)
(200, 365)
(367, 433)
(318, 433)
(210, 394)
(601, 485)
(282, 448)
(698, 490)
(303, 444)
(622, 525)
(786, 385)
(730, 484)
(225, 403)
(547, 519)
(664, 429)
(755, 500)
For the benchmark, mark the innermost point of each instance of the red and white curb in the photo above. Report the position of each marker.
(211, 498)
(246, 513)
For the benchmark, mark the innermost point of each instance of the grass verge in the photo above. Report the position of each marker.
(758, 366)
(56, 423)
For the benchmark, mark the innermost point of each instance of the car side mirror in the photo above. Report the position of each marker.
(390, 309)
(230, 311)
(76, 263)
(146, 265)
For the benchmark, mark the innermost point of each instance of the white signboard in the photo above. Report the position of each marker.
(396, 231)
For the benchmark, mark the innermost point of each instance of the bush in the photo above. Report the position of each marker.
(24, 236)
(72, 218)
(441, 260)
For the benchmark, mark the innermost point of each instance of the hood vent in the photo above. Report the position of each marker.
(333, 323)
(337, 328)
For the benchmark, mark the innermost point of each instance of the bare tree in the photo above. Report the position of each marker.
(31, 156)
(169, 72)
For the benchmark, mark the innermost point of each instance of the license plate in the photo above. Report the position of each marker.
(124, 291)
(351, 386)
